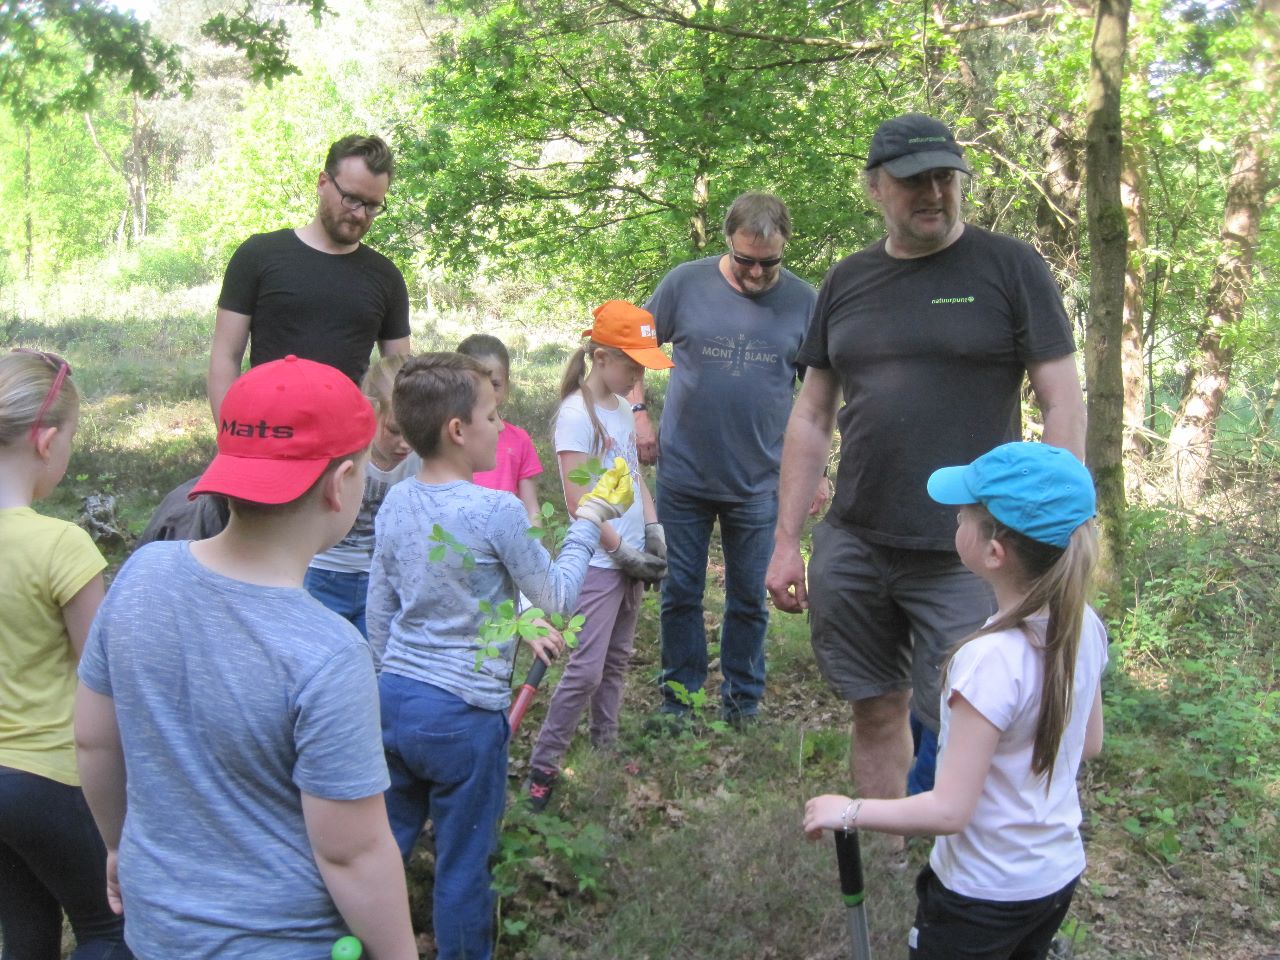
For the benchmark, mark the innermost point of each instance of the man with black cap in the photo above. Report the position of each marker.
(926, 334)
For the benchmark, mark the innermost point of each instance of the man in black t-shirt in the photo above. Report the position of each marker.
(316, 292)
(926, 334)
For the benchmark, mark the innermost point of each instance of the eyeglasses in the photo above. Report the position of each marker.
(768, 263)
(354, 203)
(942, 177)
(63, 371)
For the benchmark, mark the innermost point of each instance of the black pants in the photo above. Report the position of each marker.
(954, 927)
(51, 860)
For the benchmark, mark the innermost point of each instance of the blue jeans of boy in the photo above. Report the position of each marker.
(746, 534)
(448, 763)
(343, 592)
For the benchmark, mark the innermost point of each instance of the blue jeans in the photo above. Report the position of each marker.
(924, 766)
(448, 763)
(342, 592)
(51, 860)
(746, 534)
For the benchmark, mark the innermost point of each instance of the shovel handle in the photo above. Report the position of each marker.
(849, 859)
(525, 696)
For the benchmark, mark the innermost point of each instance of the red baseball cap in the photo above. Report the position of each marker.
(280, 426)
(632, 330)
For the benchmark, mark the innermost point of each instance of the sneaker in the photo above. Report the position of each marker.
(538, 788)
(740, 721)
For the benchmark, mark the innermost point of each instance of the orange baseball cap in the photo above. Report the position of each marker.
(632, 330)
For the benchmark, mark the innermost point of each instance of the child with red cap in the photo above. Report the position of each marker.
(227, 724)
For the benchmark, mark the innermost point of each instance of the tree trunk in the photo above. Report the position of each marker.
(1058, 210)
(29, 255)
(137, 170)
(1107, 254)
(1269, 409)
(1133, 342)
(1191, 439)
(698, 222)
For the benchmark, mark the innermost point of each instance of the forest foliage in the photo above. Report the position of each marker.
(580, 149)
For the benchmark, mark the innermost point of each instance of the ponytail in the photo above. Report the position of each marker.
(574, 380)
(1058, 581)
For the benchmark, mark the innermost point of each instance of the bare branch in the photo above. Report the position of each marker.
(855, 47)
(93, 135)
(1024, 175)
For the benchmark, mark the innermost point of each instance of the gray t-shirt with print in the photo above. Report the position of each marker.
(735, 370)
(231, 700)
(353, 552)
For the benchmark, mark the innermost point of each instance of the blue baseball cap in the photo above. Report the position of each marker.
(1041, 491)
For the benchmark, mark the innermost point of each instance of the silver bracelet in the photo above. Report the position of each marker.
(847, 821)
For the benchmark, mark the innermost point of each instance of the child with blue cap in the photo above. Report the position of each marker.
(1021, 708)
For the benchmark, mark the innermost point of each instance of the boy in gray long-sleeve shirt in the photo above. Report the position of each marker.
(444, 724)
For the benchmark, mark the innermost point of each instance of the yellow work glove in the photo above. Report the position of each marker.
(611, 497)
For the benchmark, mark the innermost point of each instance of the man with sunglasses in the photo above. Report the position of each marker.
(926, 336)
(316, 292)
(735, 322)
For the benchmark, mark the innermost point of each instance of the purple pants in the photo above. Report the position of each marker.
(610, 601)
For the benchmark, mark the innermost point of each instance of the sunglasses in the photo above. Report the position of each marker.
(59, 378)
(768, 263)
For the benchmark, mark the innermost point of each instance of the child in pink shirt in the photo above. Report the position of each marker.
(517, 462)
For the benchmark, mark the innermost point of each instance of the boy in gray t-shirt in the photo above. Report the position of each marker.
(226, 722)
(444, 698)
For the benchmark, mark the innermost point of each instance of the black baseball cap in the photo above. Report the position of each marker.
(913, 143)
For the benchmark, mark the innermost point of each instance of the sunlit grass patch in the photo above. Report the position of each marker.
(135, 450)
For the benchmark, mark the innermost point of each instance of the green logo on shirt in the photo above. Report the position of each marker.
(969, 299)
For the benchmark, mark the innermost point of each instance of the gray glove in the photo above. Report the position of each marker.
(655, 540)
(639, 565)
(599, 511)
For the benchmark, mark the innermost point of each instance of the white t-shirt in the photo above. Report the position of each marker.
(1023, 842)
(575, 434)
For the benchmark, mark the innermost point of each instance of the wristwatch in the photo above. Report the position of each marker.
(637, 407)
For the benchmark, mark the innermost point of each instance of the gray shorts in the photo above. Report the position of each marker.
(883, 618)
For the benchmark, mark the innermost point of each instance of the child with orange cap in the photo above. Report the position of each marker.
(595, 420)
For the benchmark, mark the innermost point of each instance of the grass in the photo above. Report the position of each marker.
(691, 846)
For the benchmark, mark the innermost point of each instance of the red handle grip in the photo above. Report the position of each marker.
(525, 696)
